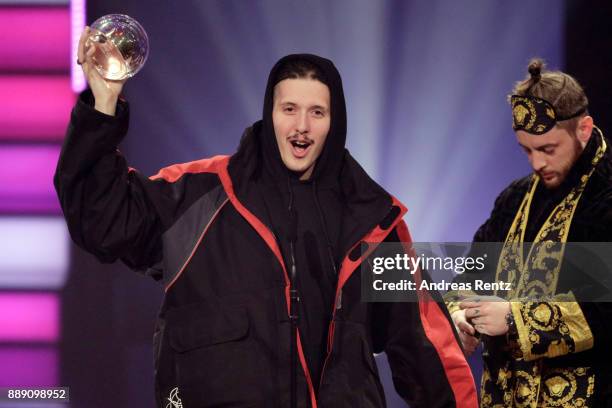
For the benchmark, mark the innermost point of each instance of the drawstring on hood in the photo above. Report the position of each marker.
(330, 247)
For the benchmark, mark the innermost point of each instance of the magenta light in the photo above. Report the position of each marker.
(34, 38)
(29, 317)
(77, 23)
(29, 366)
(26, 179)
(34, 107)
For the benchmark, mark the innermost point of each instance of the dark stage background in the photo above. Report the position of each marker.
(425, 83)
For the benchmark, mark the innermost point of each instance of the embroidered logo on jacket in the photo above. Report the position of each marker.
(174, 401)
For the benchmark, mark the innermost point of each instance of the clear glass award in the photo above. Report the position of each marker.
(122, 46)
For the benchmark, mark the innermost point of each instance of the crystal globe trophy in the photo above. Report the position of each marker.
(122, 46)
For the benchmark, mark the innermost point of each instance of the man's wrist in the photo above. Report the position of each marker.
(510, 323)
(108, 107)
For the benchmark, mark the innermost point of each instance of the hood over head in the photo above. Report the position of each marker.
(344, 191)
(329, 163)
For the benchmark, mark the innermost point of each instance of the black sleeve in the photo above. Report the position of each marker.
(418, 374)
(427, 363)
(107, 206)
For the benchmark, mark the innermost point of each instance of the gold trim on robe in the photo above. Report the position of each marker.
(551, 329)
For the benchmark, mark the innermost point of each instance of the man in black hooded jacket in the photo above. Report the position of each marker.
(221, 235)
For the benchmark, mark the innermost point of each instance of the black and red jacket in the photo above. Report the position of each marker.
(223, 330)
(214, 231)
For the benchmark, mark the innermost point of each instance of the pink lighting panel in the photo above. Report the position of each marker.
(77, 17)
(38, 41)
(35, 38)
(34, 107)
(29, 317)
(26, 179)
(28, 366)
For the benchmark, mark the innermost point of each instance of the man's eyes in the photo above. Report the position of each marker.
(319, 113)
(545, 150)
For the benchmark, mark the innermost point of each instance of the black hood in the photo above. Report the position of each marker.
(262, 182)
(266, 186)
(329, 163)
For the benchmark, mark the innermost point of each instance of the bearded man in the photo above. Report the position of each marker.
(546, 342)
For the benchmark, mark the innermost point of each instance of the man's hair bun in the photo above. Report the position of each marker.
(535, 68)
(559, 89)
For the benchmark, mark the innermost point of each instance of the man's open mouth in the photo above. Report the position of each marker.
(300, 147)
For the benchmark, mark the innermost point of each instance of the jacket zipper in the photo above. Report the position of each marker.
(338, 306)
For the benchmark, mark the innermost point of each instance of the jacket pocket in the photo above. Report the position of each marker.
(204, 329)
(217, 359)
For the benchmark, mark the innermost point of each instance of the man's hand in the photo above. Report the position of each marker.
(106, 92)
(487, 314)
(466, 332)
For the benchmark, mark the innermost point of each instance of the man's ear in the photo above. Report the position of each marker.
(584, 130)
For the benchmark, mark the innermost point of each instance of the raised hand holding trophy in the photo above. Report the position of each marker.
(121, 46)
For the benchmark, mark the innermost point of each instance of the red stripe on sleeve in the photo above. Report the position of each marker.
(440, 333)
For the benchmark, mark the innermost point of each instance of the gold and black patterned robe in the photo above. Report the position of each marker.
(561, 353)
